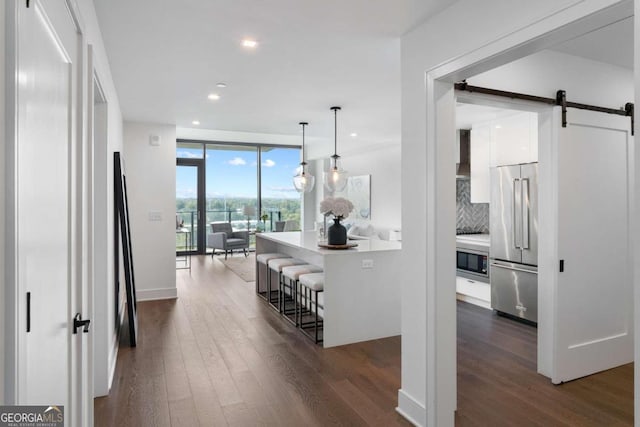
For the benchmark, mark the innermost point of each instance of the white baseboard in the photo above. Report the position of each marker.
(414, 411)
(155, 294)
(474, 301)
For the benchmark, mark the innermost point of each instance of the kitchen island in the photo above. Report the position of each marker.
(362, 285)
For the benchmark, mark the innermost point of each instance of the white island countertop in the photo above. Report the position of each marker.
(309, 240)
(361, 296)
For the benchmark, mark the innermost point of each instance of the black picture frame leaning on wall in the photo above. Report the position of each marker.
(122, 232)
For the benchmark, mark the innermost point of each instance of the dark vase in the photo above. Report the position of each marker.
(337, 233)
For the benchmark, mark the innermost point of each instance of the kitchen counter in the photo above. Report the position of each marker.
(308, 240)
(362, 284)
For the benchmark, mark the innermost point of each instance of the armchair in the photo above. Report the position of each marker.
(224, 238)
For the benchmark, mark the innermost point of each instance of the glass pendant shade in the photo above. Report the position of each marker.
(335, 178)
(303, 181)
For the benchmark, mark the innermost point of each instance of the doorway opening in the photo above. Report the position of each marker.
(104, 295)
(496, 251)
(554, 342)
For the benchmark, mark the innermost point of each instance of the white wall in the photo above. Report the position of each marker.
(2, 207)
(429, 45)
(383, 163)
(636, 214)
(151, 187)
(584, 80)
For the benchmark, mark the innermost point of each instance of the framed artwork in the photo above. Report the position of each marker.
(358, 191)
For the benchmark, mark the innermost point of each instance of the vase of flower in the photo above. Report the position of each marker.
(340, 209)
(337, 233)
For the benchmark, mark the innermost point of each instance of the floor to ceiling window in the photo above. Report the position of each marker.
(279, 198)
(232, 184)
(247, 185)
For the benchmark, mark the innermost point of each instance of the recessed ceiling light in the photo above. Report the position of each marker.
(498, 127)
(249, 43)
(353, 135)
(221, 84)
(195, 122)
(213, 96)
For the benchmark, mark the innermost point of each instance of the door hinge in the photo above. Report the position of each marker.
(561, 265)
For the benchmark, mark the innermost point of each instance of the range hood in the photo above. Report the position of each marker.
(463, 168)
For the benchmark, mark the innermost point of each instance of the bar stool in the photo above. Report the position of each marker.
(277, 265)
(264, 259)
(314, 283)
(291, 274)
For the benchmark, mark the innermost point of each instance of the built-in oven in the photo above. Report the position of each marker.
(472, 262)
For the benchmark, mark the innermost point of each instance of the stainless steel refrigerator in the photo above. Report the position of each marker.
(514, 240)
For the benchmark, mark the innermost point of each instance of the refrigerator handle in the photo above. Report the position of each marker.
(517, 213)
(525, 213)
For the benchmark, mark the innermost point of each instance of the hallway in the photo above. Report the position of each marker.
(219, 356)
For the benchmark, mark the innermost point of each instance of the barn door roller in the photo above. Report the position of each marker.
(560, 100)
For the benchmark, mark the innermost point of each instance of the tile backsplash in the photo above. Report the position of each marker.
(470, 216)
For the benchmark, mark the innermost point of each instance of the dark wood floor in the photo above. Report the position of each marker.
(218, 356)
(498, 384)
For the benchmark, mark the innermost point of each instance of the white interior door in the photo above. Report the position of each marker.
(47, 52)
(594, 293)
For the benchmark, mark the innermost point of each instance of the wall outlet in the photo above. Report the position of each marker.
(367, 263)
(155, 216)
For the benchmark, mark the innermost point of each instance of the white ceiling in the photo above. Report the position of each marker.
(167, 56)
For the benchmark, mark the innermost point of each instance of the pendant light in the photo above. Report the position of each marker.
(335, 178)
(303, 181)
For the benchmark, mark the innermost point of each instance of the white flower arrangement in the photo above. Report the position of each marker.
(338, 207)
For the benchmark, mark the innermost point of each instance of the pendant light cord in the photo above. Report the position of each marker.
(303, 163)
(335, 129)
(335, 156)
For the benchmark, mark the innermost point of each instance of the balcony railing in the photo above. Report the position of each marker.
(238, 220)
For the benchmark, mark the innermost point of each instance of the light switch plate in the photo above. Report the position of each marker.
(155, 216)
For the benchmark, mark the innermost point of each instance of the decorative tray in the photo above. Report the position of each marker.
(345, 246)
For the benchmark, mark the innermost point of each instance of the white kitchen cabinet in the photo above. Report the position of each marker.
(473, 292)
(514, 139)
(480, 155)
(509, 140)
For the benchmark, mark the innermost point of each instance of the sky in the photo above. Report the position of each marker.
(233, 173)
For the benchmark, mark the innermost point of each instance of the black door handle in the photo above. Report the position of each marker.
(79, 323)
(28, 311)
